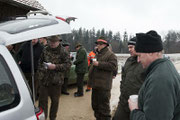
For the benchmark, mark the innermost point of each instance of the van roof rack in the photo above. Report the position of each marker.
(43, 12)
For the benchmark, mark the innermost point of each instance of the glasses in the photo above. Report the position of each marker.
(99, 43)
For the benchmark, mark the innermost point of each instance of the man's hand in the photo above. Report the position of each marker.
(95, 63)
(132, 105)
(52, 66)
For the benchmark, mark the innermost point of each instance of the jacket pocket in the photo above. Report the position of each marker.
(58, 79)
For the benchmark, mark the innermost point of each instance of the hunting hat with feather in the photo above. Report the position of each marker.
(78, 45)
(102, 40)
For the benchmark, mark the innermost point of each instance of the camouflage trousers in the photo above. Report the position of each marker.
(54, 92)
(101, 104)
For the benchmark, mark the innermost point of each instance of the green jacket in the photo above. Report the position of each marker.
(57, 56)
(81, 61)
(132, 79)
(159, 96)
(100, 77)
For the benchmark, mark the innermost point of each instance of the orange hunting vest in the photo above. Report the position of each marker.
(91, 56)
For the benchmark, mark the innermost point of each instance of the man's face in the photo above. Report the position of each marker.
(9, 47)
(100, 46)
(145, 59)
(131, 49)
(77, 48)
(54, 44)
(34, 41)
(67, 48)
(43, 40)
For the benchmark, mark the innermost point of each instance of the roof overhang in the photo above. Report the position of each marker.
(21, 5)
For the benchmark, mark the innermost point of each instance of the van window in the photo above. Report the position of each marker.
(9, 95)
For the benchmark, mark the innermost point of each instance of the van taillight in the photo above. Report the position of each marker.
(40, 114)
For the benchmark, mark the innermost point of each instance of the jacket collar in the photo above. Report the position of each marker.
(54, 49)
(154, 64)
(104, 50)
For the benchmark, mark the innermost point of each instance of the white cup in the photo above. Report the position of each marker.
(46, 65)
(133, 98)
(94, 59)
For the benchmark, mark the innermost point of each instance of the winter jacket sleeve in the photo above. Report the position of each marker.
(110, 65)
(158, 101)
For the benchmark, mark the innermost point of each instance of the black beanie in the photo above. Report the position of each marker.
(148, 42)
(132, 41)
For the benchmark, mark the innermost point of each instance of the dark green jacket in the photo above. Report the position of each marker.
(159, 96)
(81, 61)
(67, 73)
(132, 79)
(100, 77)
(57, 56)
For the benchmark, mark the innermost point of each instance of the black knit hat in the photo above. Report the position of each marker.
(148, 42)
(132, 41)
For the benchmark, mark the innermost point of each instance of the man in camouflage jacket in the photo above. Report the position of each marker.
(100, 79)
(52, 65)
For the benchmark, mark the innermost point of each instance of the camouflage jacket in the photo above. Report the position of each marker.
(60, 58)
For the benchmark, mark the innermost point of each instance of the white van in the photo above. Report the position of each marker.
(16, 100)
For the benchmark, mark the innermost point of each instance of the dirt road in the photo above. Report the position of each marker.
(79, 108)
(72, 108)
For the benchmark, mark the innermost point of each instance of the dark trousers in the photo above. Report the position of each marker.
(54, 92)
(36, 83)
(80, 79)
(101, 104)
(121, 114)
(65, 85)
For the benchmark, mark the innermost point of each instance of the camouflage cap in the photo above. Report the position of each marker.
(54, 38)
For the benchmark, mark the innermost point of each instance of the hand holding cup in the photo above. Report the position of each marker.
(95, 62)
(133, 102)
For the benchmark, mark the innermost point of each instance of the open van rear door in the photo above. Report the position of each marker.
(27, 28)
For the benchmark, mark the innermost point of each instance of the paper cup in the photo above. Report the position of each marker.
(94, 59)
(133, 98)
(46, 65)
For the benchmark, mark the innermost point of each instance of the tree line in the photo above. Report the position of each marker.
(118, 41)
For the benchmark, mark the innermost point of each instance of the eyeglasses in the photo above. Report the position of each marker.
(99, 43)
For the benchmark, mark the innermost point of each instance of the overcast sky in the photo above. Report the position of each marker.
(119, 15)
